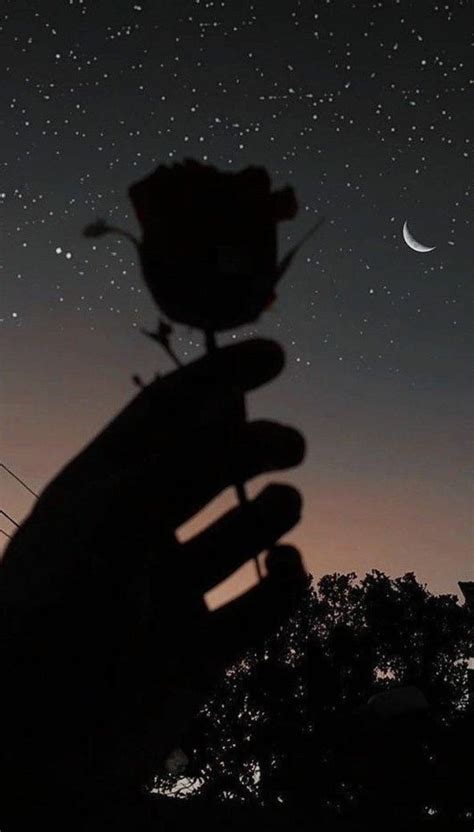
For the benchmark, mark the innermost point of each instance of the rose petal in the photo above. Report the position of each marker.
(285, 205)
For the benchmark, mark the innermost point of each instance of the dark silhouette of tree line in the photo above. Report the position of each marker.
(354, 715)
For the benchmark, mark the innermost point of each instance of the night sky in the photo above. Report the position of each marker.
(366, 108)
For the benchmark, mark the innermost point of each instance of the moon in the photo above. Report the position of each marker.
(412, 243)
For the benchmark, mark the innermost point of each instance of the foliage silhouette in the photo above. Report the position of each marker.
(290, 734)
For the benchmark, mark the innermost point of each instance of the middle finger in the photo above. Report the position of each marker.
(169, 491)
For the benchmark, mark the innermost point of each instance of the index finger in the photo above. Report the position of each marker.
(243, 366)
(176, 402)
(169, 400)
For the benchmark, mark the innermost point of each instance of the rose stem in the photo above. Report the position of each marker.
(172, 355)
(211, 346)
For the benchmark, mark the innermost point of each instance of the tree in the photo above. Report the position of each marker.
(290, 732)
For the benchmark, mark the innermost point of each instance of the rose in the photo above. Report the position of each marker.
(209, 247)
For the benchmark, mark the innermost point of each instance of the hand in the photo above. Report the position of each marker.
(109, 648)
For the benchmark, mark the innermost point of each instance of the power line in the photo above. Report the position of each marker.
(9, 518)
(5, 533)
(22, 482)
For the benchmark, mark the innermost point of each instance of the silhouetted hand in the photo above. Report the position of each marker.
(108, 646)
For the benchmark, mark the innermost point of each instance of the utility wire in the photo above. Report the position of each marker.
(9, 518)
(22, 482)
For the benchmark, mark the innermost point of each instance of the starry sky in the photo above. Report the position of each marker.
(366, 108)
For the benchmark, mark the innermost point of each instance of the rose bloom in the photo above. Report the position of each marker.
(209, 246)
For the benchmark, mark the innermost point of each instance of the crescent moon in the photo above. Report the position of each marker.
(412, 243)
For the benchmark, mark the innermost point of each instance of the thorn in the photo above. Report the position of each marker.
(138, 381)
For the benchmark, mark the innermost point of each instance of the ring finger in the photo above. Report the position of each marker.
(239, 535)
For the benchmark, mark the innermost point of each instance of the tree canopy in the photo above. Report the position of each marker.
(356, 710)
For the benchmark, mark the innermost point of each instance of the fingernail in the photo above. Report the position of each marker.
(284, 560)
